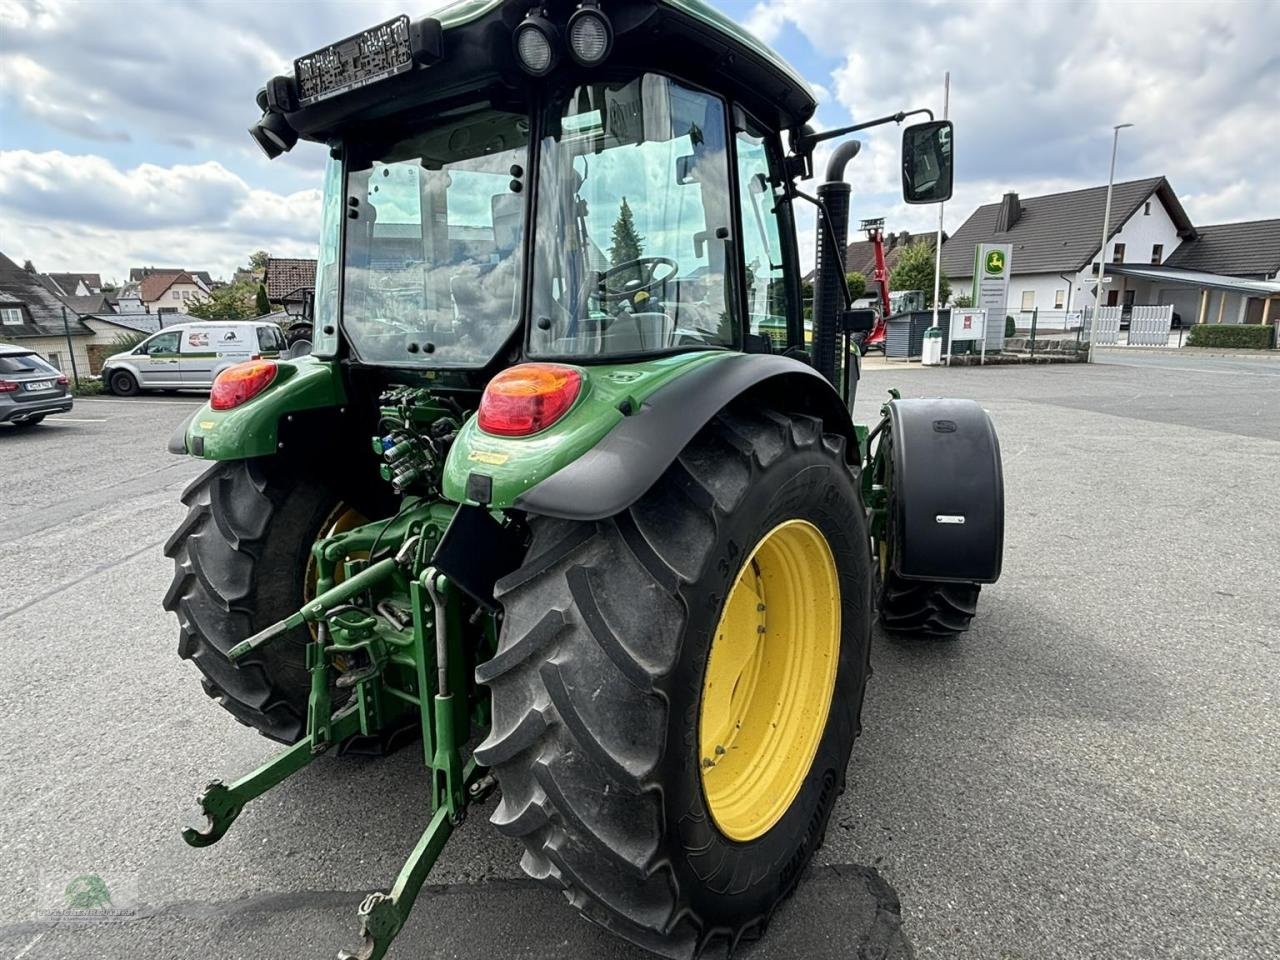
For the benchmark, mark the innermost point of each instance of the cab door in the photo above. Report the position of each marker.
(199, 355)
(158, 364)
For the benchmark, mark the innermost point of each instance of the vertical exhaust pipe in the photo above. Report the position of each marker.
(830, 290)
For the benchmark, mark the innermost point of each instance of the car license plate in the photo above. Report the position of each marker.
(40, 385)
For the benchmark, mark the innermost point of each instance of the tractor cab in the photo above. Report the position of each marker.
(555, 181)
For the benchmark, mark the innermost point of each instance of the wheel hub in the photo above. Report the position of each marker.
(769, 681)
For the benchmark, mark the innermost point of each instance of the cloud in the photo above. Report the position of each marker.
(82, 212)
(1037, 87)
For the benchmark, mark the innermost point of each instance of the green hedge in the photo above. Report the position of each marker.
(1249, 336)
(1010, 328)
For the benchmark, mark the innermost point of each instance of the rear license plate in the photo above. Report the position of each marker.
(35, 385)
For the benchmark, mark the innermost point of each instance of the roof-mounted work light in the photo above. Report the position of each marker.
(535, 42)
(273, 134)
(590, 34)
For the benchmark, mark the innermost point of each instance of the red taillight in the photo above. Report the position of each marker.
(527, 398)
(62, 380)
(7, 386)
(234, 385)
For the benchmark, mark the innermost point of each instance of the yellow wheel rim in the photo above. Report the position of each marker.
(340, 520)
(769, 681)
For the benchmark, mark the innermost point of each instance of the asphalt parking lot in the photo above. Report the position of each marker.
(1093, 771)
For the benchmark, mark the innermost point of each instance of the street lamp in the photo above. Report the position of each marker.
(1102, 250)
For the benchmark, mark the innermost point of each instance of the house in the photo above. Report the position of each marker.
(71, 284)
(138, 274)
(30, 315)
(1151, 251)
(163, 292)
(285, 276)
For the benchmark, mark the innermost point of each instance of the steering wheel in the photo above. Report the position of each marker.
(642, 271)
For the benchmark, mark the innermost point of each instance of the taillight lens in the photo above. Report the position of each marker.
(62, 380)
(527, 398)
(234, 385)
(7, 386)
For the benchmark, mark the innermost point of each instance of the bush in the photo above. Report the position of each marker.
(1246, 336)
(1010, 327)
(126, 341)
(87, 388)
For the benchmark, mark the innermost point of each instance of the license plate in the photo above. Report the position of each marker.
(35, 385)
(375, 54)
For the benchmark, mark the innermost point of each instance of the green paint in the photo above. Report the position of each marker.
(516, 463)
(995, 262)
(250, 430)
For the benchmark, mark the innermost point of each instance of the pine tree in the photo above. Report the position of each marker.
(262, 302)
(627, 245)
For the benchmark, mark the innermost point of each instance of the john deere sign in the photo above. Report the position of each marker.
(992, 263)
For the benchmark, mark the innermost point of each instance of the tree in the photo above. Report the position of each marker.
(261, 302)
(627, 245)
(963, 301)
(231, 302)
(258, 260)
(914, 271)
(857, 284)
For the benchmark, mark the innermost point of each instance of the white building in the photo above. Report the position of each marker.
(1154, 254)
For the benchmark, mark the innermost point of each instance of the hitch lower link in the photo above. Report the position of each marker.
(375, 702)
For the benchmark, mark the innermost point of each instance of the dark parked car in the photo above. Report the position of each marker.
(30, 387)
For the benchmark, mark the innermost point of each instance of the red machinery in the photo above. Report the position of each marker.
(880, 278)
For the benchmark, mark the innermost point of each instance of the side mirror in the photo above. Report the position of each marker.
(858, 321)
(927, 162)
(685, 169)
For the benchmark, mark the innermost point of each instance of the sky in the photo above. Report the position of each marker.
(123, 124)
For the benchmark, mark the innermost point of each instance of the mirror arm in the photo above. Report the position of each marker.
(807, 141)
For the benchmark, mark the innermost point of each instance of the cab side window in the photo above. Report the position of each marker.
(761, 238)
(161, 344)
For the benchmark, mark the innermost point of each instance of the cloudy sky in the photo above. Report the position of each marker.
(122, 124)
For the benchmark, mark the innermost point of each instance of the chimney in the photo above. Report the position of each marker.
(1010, 211)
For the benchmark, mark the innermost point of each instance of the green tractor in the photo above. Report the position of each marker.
(562, 477)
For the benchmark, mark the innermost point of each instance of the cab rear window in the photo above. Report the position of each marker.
(24, 363)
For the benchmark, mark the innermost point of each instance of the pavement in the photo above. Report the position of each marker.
(1092, 771)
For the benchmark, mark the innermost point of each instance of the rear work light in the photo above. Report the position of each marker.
(524, 399)
(234, 385)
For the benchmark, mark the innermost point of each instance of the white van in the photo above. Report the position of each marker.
(190, 355)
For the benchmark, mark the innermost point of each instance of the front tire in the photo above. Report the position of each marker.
(124, 384)
(240, 560)
(599, 690)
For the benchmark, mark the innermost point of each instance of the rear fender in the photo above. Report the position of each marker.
(624, 439)
(253, 428)
(947, 501)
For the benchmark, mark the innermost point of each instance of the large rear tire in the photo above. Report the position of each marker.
(240, 560)
(600, 685)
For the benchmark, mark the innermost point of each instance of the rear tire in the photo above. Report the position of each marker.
(240, 558)
(124, 384)
(598, 682)
(926, 608)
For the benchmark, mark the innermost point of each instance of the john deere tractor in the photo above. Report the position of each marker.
(566, 490)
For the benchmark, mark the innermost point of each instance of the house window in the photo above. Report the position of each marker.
(1117, 255)
(11, 315)
(1059, 299)
(1113, 298)
(1146, 209)
(176, 295)
(55, 360)
(1157, 252)
(1095, 268)
(1028, 301)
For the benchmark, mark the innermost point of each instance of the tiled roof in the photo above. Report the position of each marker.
(285, 276)
(1244, 249)
(43, 309)
(138, 274)
(155, 284)
(1058, 232)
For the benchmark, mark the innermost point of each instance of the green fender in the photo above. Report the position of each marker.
(251, 429)
(627, 426)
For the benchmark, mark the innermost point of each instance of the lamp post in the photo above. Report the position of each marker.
(1102, 250)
